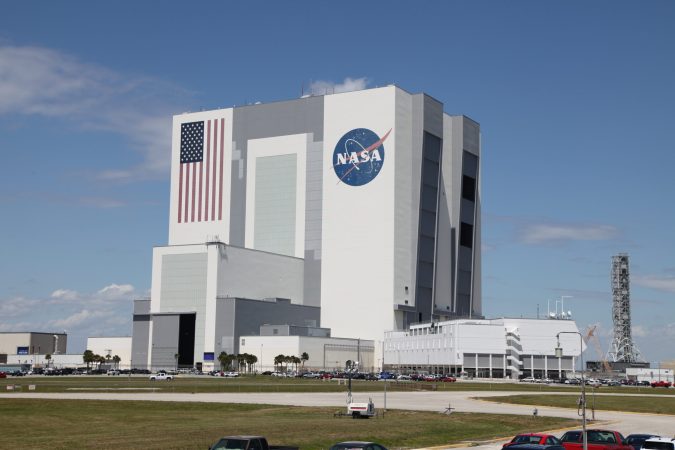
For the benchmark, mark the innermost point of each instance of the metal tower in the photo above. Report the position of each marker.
(622, 348)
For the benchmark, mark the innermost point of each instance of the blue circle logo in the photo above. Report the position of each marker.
(359, 156)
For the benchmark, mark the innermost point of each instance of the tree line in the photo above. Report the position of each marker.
(280, 360)
(89, 357)
(247, 361)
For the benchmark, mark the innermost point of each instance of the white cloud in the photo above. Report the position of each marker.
(17, 306)
(660, 283)
(65, 294)
(546, 233)
(76, 319)
(106, 311)
(321, 87)
(41, 81)
(116, 291)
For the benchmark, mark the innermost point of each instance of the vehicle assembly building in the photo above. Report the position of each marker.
(360, 209)
(357, 213)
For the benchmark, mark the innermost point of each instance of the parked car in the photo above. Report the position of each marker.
(636, 440)
(447, 379)
(597, 440)
(661, 383)
(113, 372)
(161, 377)
(246, 443)
(527, 380)
(3, 375)
(533, 438)
(659, 443)
(536, 447)
(358, 445)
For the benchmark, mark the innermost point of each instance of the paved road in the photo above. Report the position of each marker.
(463, 401)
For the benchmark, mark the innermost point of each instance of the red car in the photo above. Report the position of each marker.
(3, 375)
(533, 438)
(661, 383)
(597, 440)
(447, 379)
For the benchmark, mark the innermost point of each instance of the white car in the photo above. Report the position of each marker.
(161, 377)
(659, 443)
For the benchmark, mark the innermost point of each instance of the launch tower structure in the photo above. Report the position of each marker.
(622, 348)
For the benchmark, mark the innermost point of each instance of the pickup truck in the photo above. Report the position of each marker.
(246, 443)
(597, 440)
(161, 377)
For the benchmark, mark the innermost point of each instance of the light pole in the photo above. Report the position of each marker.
(559, 354)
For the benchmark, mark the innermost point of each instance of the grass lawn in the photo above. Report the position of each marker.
(273, 384)
(67, 424)
(656, 405)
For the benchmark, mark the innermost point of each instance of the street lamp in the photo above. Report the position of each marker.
(559, 354)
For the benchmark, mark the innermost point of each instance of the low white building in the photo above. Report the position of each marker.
(649, 374)
(112, 346)
(57, 361)
(325, 353)
(487, 348)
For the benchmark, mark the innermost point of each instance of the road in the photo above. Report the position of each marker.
(461, 401)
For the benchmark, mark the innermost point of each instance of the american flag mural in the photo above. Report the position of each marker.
(200, 182)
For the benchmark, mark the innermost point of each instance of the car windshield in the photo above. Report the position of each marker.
(230, 444)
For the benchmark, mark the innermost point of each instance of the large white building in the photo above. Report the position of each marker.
(486, 348)
(358, 212)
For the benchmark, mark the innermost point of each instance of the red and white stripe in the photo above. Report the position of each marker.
(200, 184)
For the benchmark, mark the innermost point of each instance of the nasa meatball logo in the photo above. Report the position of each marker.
(359, 156)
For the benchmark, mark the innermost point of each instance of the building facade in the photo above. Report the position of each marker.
(487, 348)
(364, 204)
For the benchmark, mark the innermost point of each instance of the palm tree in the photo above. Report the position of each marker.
(48, 357)
(279, 362)
(288, 360)
(251, 360)
(304, 358)
(241, 360)
(223, 358)
(88, 357)
(116, 359)
(295, 360)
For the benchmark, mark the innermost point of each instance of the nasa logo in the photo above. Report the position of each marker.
(359, 156)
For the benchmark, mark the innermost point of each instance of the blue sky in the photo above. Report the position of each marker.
(575, 100)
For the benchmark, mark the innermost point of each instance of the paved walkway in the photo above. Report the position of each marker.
(461, 401)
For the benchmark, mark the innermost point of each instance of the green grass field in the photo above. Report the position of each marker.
(273, 384)
(656, 405)
(68, 424)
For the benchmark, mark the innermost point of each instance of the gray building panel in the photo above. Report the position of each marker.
(249, 273)
(262, 121)
(140, 338)
(313, 223)
(43, 343)
(183, 281)
(142, 306)
(164, 340)
(238, 317)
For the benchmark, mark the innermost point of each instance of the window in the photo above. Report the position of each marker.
(469, 188)
(466, 235)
